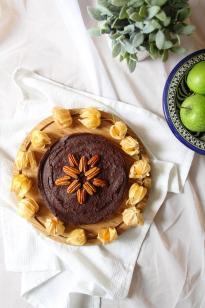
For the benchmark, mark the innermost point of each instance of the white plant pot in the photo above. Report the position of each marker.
(142, 55)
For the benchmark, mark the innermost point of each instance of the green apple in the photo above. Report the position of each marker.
(192, 113)
(196, 78)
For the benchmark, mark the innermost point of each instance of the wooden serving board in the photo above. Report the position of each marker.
(55, 132)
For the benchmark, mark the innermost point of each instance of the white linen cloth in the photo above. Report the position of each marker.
(176, 238)
(99, 271)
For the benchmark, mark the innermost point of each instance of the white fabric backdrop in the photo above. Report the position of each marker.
(170, 269)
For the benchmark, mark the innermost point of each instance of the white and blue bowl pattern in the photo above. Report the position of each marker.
(175, 91)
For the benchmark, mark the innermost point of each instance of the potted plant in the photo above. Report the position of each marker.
(134, 26)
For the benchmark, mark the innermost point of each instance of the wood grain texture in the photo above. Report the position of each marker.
(55, 132)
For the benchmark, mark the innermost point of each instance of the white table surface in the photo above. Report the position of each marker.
(25, 42)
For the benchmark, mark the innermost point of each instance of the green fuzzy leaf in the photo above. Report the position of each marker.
(160, 39)
(135, 3)
(123, 13)
(131, 64)
(178, 50)
(94, 31)
(167, 45)
(167, 21)
(161, 16)
(158, 2)
(136, 17)
(95, 13)
(118, 2)
(105, 29)
(139, 25)
(141, 48)
(152, 11)
(104, 10)
(130, 10)
(188, 29)
(138, 39)
(184, 13)
(150, 26)
(152, 37)
(128, 29)
(116, 50)
(106, 4)
(143, 11)
(115, 35)
(153, 51)
(128, 46)
(118, 24)
(165, 55)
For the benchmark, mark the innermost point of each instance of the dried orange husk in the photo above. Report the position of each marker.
(130, 145)
(27, 208)
(136, 193)
(118, 130)
(132, 217)
(54, 226)
(31, 159)
(107, 235)
(20, 185)
(21, 160)
(90, 112)
(24, 159)
(62, 117)
(90, 118)
(140, 169)
(39, 139)
(91, 122)
(76, 237)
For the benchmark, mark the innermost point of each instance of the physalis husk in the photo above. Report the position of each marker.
(118, 130)
(90, 118)
(136, 193)
(54, 226)
(130, 145)
(132, 217)
(20, 185)
(25, 159)
(140, 169)
(107, 235)
(62, 117)
(27, 208)
(39, 139)
(77, 237)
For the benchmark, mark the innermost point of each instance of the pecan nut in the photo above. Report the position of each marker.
(81, 196)
(71, 171)
(72, 160)
(93, 160)
(83, 164)
(64, 180)
(89, 188)
(99, 182)
(90, 174)
(73, 187)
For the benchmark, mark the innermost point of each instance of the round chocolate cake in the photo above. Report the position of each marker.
(82, 178)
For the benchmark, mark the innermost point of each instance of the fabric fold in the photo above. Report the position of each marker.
(103, 271)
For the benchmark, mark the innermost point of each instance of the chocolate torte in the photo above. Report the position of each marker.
(82, 178)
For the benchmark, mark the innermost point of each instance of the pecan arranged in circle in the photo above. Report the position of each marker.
(81, 177)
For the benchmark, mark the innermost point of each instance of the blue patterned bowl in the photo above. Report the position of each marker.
(175, 91)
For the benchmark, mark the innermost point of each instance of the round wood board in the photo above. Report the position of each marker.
(55, 132)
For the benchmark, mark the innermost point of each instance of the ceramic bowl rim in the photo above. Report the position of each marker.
(165, 102)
